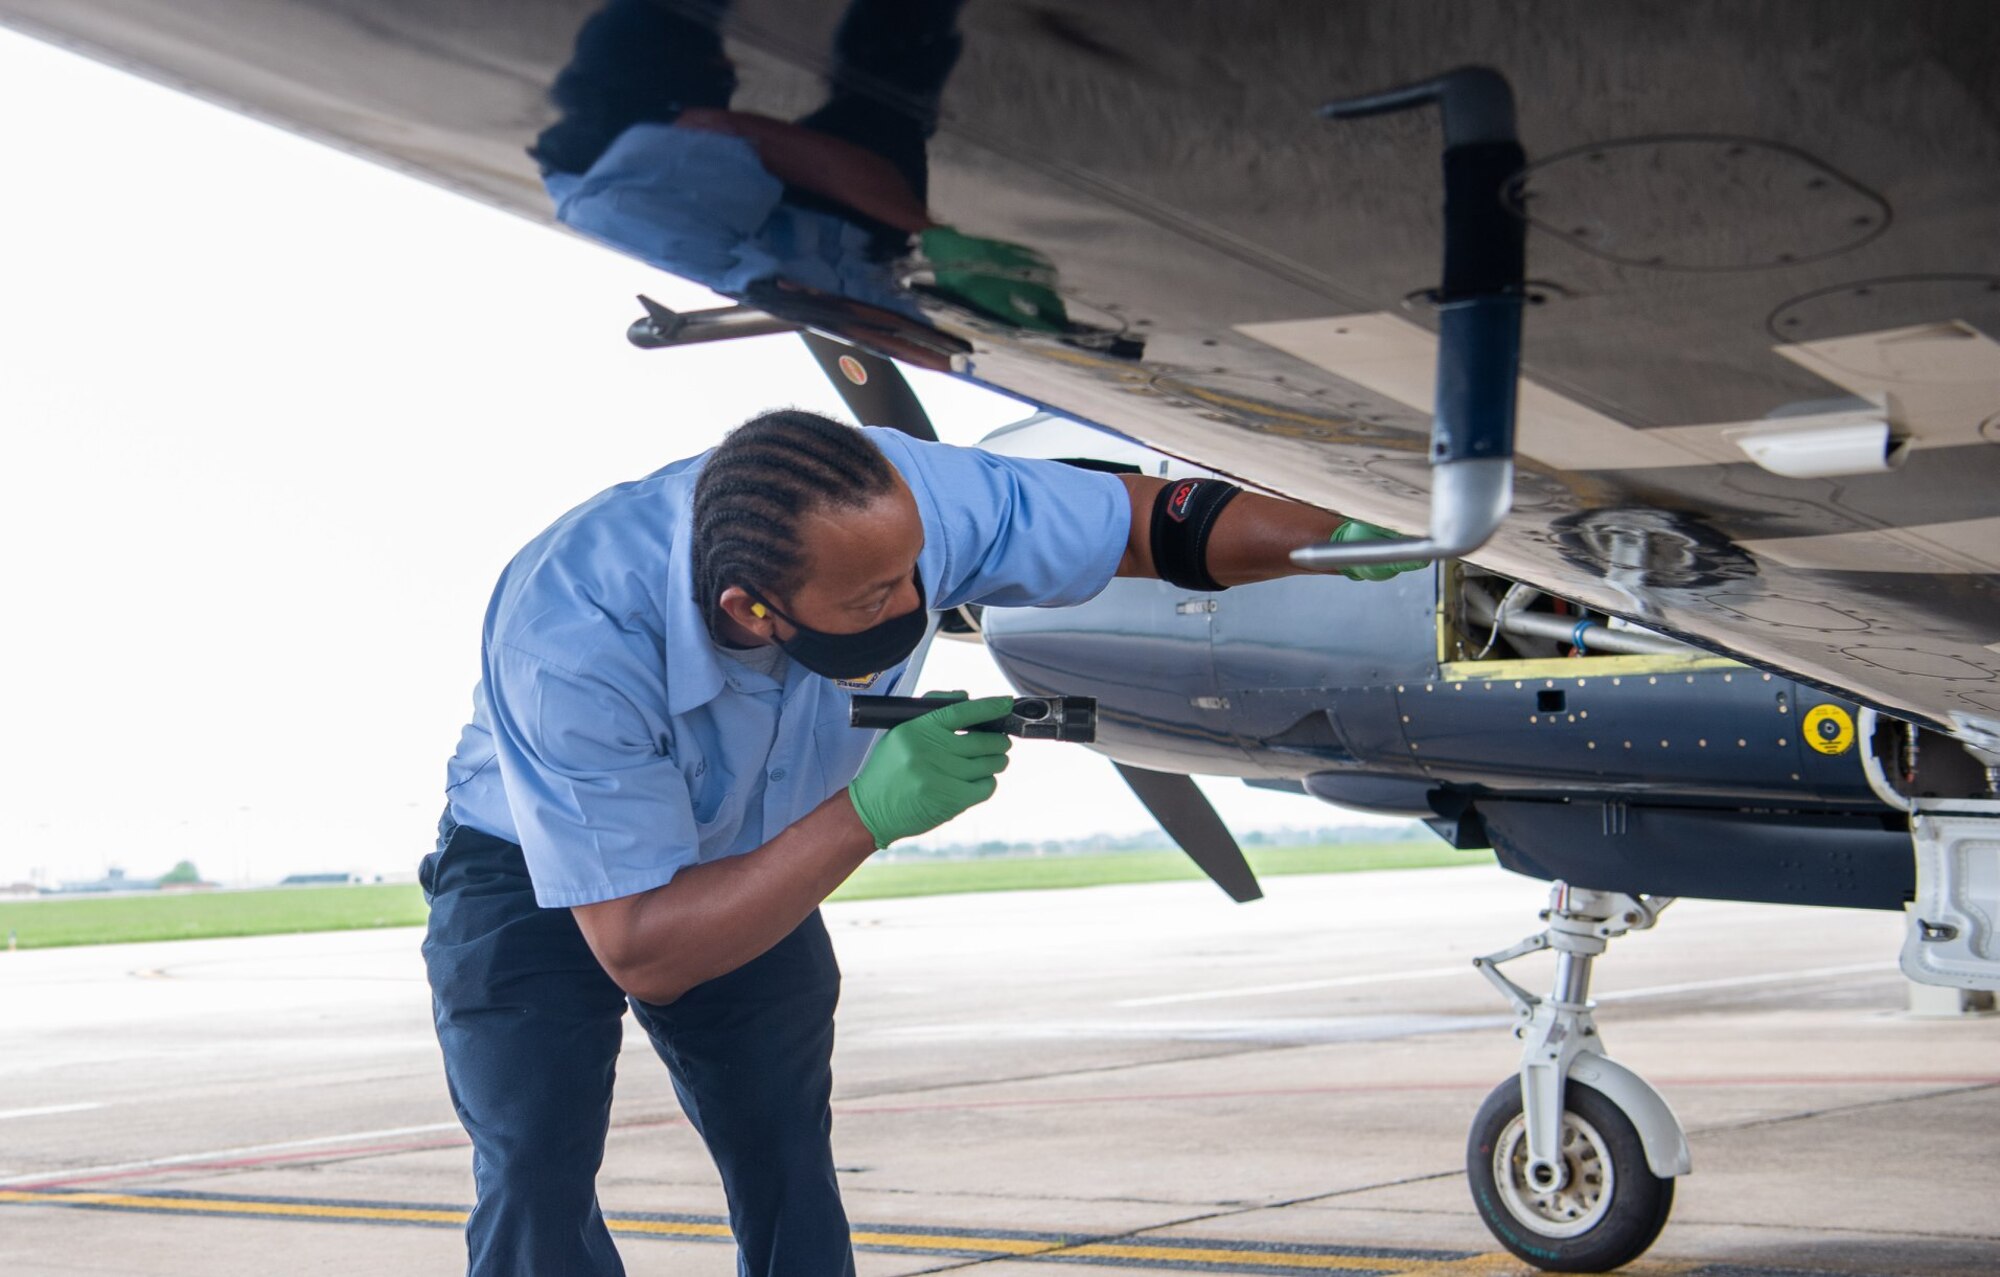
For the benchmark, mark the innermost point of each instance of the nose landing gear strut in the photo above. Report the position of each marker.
(1572, 1163)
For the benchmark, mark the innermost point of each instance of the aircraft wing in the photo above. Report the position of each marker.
(1759, 235)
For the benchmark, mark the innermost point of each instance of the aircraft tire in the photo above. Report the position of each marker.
(1611, 1210)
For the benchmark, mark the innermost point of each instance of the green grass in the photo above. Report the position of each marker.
(878, 880)
(44, 924)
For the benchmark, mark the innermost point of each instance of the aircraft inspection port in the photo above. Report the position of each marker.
(1145, 1078)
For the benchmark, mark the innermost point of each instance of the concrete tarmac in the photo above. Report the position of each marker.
(1141, 1078)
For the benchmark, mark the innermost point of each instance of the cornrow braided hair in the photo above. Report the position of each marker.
(764, 477)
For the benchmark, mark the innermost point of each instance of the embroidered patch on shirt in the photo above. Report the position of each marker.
(861, 684)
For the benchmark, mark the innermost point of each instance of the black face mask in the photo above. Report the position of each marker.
(870, 651)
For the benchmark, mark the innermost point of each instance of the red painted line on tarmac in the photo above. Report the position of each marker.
(244, 1163)
(1160, 1097)
(330, 1154)
(1848, 1079)
(1168, 1097)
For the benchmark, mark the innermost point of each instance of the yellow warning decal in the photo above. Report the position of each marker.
(1829, 729)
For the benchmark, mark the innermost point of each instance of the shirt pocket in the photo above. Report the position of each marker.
(717, 800)
(717, 834)
(708, 785)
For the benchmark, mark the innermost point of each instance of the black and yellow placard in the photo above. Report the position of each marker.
(1829, 729)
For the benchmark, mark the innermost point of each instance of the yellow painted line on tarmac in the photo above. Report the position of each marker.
(957, 1241)
(235, 1206)
(319, 1210)
(1133, 1254)
(669, 1228)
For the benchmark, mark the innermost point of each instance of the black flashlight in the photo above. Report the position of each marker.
(1063, 718)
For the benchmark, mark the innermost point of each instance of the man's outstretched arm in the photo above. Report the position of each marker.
(1253, 539)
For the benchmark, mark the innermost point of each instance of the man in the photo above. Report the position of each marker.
(659, 787)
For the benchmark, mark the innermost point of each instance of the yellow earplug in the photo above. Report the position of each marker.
(757, 610)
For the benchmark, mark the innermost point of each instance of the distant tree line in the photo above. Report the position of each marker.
(1157, 840)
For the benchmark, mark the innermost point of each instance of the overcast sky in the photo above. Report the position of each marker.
(274, 419)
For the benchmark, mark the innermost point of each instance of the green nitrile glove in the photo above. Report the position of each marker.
(1003, 281)
(1356, 530)
(925, 771)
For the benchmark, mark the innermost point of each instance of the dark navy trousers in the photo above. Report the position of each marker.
(531, 1024)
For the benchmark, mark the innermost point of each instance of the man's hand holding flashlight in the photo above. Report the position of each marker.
(928, 770)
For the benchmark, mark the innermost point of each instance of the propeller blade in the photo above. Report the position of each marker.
(874, 389)
(1190, 820)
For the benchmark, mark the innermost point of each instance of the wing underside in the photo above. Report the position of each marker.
(1745, 220)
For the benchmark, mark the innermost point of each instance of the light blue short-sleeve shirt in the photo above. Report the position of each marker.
(615, 742)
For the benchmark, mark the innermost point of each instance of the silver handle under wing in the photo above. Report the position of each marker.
(1479, 319)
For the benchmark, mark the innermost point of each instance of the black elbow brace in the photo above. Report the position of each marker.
(1184, 515)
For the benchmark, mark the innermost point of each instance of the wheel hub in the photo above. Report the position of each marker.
(1582, 1192)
